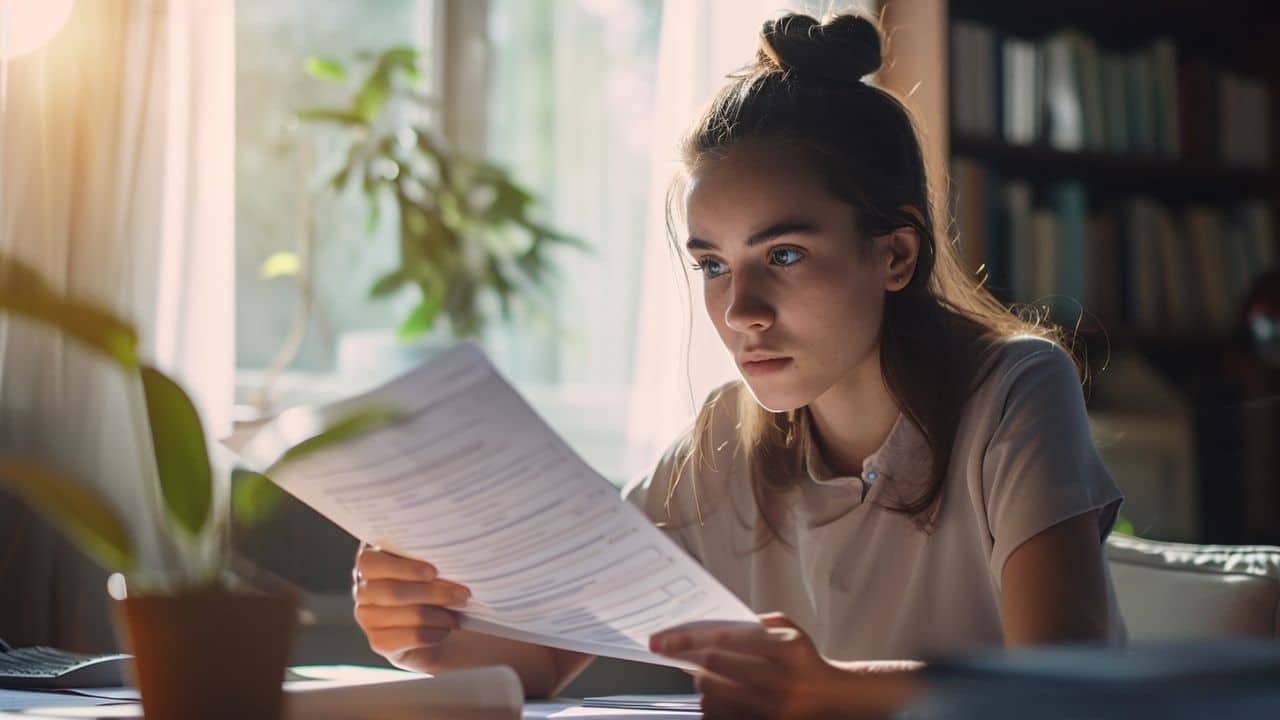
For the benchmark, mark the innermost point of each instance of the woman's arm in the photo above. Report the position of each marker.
(1054, 588)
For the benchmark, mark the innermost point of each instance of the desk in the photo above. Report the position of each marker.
(1235, 678)
(55, 706)
(311, 696)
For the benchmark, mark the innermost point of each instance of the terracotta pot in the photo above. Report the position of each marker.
(209, 654)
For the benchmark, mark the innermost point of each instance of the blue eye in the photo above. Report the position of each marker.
(709, 268)
(785, 256)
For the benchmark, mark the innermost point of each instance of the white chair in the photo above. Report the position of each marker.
(1178, 591)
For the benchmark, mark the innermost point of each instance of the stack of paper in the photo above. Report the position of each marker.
(371, 694)
(321, 692)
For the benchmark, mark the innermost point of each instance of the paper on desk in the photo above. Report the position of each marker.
(488, 693)
(474, 482)
(32, 699)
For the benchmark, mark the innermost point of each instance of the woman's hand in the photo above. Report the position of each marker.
(401, 605)
(773, 670)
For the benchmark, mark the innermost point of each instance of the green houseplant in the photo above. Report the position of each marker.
(466, 229)
(185, 622)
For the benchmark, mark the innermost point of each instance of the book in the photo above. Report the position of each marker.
(1234, 678)
(1019, 91)
(1070, 205)
(1021, 248)
(1062, 92)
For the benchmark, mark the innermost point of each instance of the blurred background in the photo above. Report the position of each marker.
(261, 186)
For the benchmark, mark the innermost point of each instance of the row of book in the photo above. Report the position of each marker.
(1138, 262)
(1066, 91)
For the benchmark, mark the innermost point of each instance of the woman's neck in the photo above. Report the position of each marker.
(854, 417)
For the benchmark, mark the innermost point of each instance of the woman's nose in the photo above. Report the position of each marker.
(749, 310)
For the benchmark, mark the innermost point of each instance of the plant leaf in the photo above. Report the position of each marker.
(81, 513)
(375, 204)
(182, 458)
(373, 95)
(279, 265)
(545, 233)
(25, 292)
(501, 285)
(331, 115)
(254, 497)
(344, 428)
(405, 58)
(510, 202)
(388, 284)
(325, 68)
(1123, 526)
(422, 318)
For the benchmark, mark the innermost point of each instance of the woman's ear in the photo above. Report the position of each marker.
(899, 252)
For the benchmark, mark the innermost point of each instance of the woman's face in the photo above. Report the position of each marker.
(794, 301)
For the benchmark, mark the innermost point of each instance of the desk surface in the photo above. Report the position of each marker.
(26, 705)
(56, 707)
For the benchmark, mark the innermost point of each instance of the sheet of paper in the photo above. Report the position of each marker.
(486, 693)
(31, 699)
(473, 481)
(595, 713)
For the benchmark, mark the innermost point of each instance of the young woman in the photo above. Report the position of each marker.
(905, 470)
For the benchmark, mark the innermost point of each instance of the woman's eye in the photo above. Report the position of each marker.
(708, 267)
(785, 256)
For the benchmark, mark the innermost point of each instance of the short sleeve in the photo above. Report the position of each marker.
(1040, 466)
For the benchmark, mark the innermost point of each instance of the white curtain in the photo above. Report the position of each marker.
(679, 358)
(116, 148)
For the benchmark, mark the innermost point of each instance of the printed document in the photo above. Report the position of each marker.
(473, 481)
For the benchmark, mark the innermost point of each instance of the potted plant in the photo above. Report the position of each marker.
(204, 646)
(466, 229)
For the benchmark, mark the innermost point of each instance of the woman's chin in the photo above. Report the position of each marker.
(773, 397)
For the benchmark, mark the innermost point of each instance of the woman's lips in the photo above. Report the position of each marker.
(764, 367)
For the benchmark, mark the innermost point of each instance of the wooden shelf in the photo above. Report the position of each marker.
(1227, 31)
(1159, 176)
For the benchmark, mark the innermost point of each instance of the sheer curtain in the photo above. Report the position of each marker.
(117, 162)
(679, 358)
(570, 110)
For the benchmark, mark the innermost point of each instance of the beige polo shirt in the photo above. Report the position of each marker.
(865, 582)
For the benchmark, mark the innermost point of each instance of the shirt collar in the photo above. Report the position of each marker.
(904, 454)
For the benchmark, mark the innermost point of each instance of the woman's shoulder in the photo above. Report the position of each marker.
(1014, 357)
(1017, 368)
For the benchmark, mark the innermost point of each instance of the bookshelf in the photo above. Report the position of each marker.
(1171, 178)
(1121, 156)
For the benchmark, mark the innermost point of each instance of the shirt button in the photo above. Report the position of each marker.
(872, 476)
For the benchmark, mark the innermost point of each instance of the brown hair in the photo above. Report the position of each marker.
(805, 91)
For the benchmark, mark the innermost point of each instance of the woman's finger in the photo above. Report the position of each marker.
(749, 638)
(725, 698)
(750, 670)
(403, 592)
(377, 565)
(393, 641)
(379, 617)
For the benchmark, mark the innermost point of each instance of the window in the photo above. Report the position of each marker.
(566, 88)
(276, 161)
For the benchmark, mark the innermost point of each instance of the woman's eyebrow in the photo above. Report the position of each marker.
(787, 227)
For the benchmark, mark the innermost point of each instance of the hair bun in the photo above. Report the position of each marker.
(844, 49)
